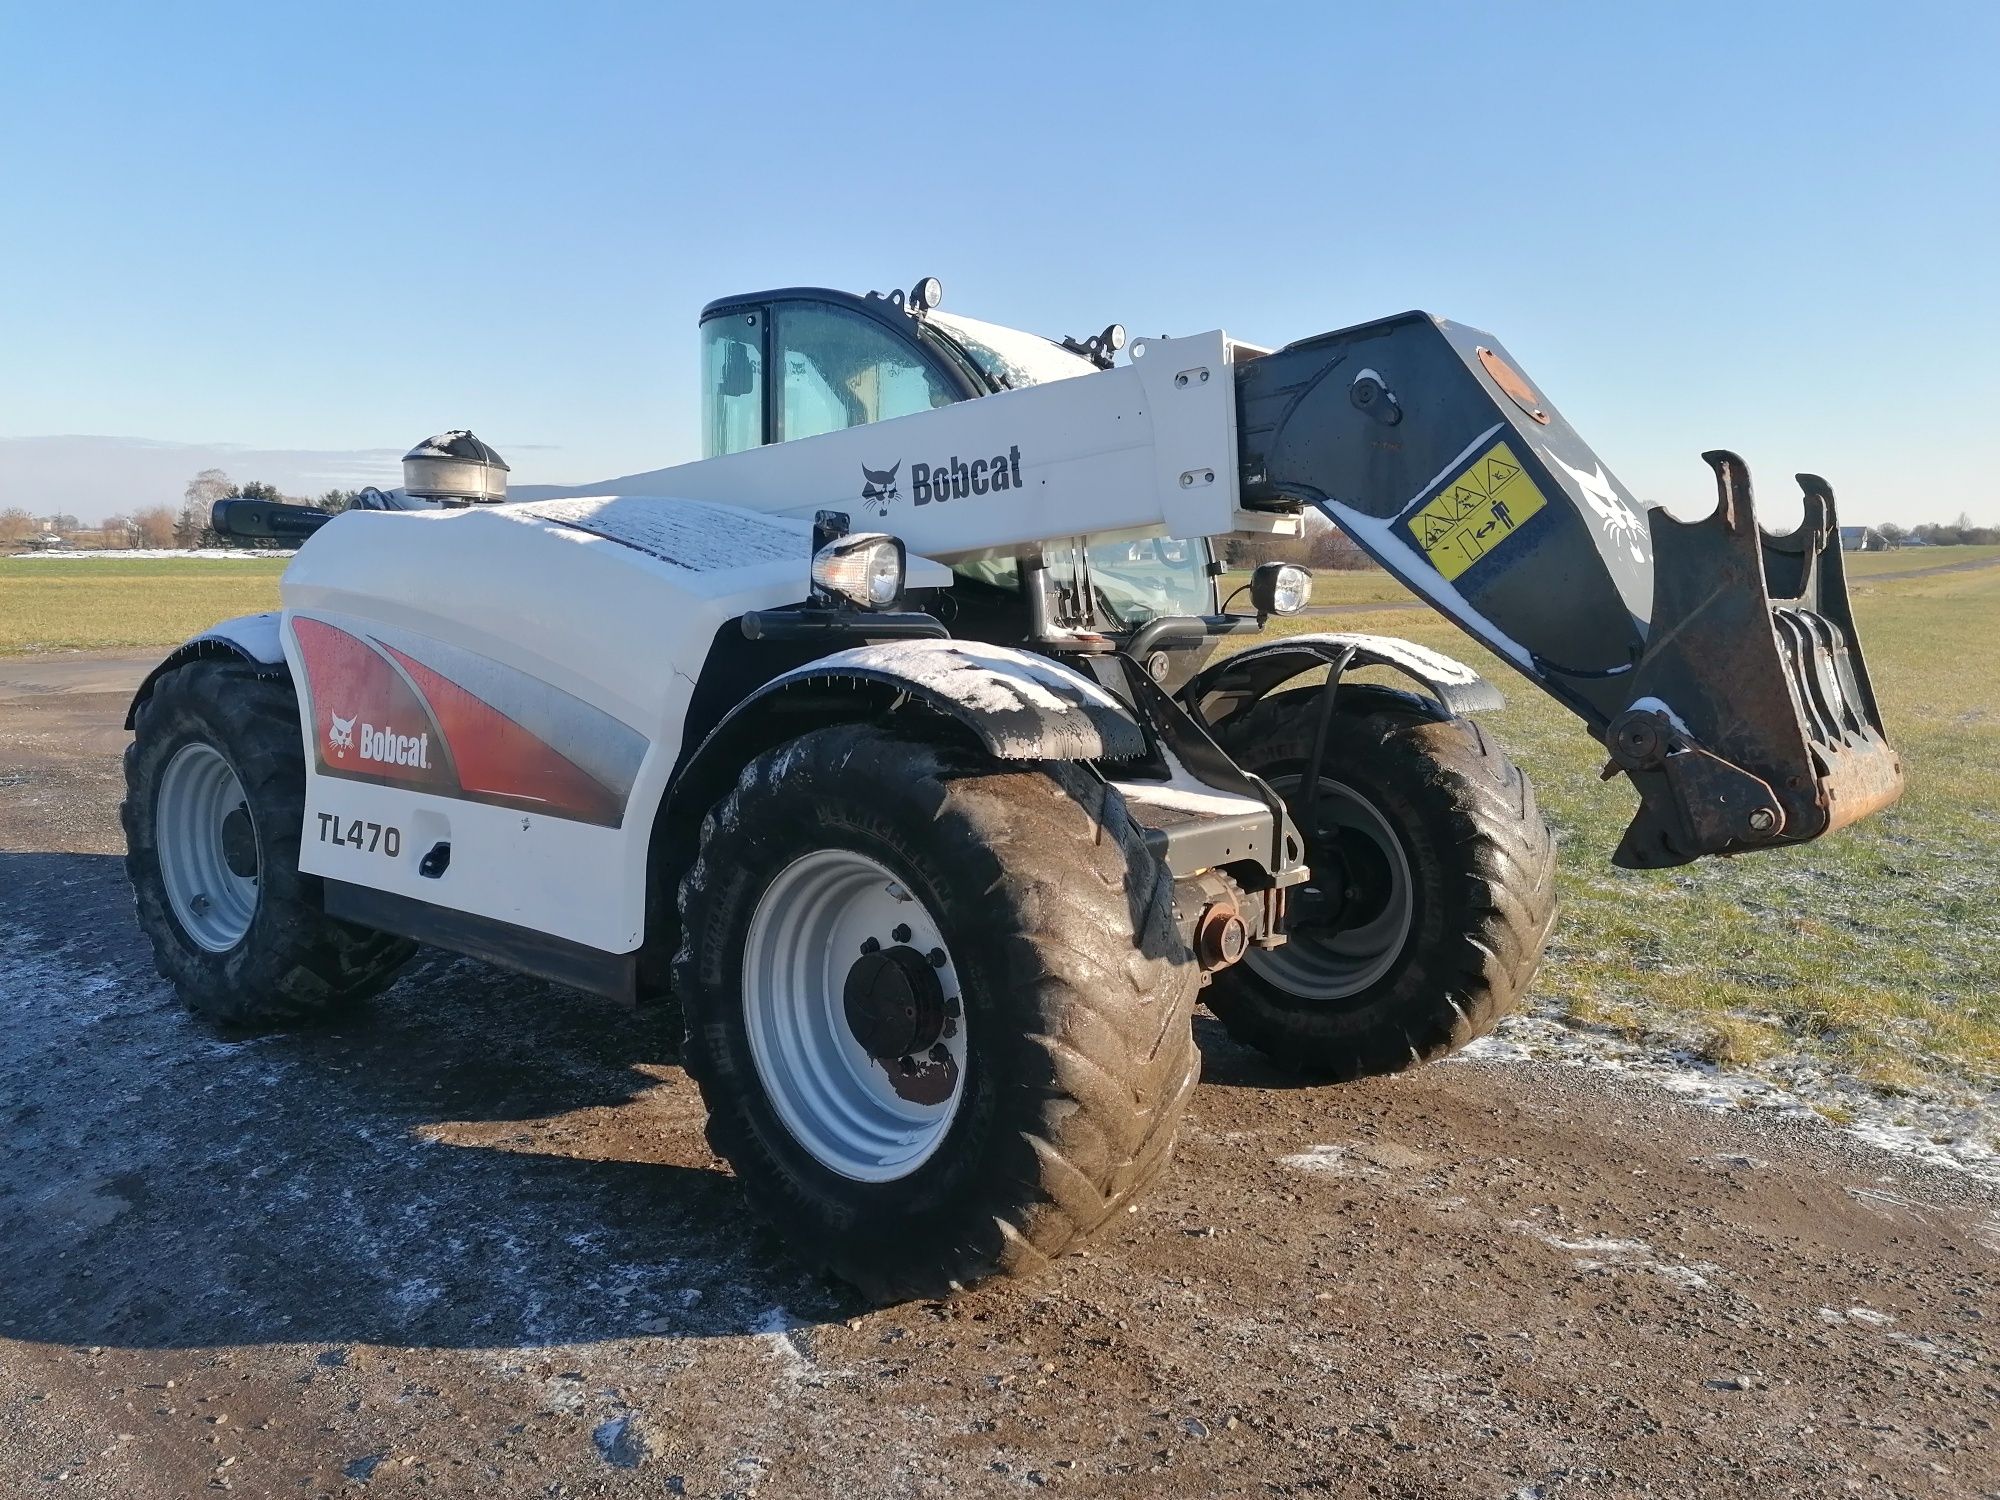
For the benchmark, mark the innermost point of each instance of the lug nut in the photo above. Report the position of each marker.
(902, 932)
(936, 956)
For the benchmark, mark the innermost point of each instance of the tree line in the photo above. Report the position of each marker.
(163, 527)
(1958, 533)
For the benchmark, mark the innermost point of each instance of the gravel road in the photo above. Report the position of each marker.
(472, 1243)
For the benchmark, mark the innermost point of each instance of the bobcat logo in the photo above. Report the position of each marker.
(341, 735)
(879, 487)
(1620, 525)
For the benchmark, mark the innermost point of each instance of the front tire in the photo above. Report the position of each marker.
(214, 805)
(1433, 889)
(988, 1077)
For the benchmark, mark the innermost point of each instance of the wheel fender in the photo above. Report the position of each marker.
(251, 638)
(1232, 685)
(1020, 706)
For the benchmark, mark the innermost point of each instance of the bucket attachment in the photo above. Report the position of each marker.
(1753, 638)
(1717, 663)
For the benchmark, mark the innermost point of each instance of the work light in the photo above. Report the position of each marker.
(865, 569)
(1280, 588)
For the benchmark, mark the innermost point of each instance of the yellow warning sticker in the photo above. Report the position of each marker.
(1476, 512)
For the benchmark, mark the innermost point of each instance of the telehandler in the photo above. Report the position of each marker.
(890, 739)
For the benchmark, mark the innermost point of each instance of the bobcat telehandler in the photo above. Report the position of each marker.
(891, 739)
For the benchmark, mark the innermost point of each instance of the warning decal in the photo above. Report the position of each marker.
(1475, 512)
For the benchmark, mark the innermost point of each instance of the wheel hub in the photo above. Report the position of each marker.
(206, 845)
(1349, 924)
(855, 1015)
(239, 843)
(894, 1003)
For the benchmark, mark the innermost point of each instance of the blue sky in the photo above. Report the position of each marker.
(338, 228)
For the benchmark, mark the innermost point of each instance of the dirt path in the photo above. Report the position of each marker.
(472, 1243)
(1966, 566)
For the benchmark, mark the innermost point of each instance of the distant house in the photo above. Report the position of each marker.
(1862, 539)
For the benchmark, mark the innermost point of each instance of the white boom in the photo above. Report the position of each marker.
(1145, 449)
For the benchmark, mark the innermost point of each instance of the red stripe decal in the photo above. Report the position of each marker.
(497, 758)
(367, 723)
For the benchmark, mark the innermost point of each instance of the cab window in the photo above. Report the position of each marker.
(840, 369)
(1133, 582)
(732, 383)
(1126, 583)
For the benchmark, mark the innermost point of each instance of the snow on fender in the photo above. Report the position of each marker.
(1021, 705)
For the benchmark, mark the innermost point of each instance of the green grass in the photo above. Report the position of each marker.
(1877, 947)
(1355, 586)
(1374, 586)
(71, 604)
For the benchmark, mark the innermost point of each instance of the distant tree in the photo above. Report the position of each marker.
(154, 526)
(62, 523)
(209, 486)
(1322, 545)
(16, 525)
(337, 501)
(1892, 533)
(192, 530)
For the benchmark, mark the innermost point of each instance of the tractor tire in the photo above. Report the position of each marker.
(213, 811)
(1445, 896)
(913, 1137)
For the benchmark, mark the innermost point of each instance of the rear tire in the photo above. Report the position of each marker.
(214, 805)
(1031, 892)
(1436, 932)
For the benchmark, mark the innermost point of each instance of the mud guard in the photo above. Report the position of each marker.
(1717, 662)
(250, 638)
(1019, 706)
(1229, 686)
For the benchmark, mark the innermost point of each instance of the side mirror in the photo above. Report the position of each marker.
(738, 376)
(266, 519)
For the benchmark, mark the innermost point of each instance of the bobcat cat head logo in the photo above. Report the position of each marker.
(879, 487)
(341, 735)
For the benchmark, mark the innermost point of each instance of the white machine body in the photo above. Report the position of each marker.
(511, 683)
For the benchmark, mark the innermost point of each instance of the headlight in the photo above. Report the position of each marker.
(865, 569)
(1280, 589)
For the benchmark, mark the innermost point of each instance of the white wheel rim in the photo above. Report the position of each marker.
(1350, 959)
(862, 1116)
(195, 837)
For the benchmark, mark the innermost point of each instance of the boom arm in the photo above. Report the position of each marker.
(1717, 662)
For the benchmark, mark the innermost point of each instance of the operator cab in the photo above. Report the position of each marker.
(803, 361)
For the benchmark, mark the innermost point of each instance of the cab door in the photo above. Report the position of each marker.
(800, 365)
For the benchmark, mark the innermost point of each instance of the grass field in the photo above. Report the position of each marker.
(1876, 950)
(1373, 586)
(69, 604)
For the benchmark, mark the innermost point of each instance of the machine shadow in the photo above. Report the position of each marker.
(1227, 1063)
(475, 1160)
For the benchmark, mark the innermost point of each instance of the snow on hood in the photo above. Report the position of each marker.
(1020, 358)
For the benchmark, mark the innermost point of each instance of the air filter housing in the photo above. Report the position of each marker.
(455, 468)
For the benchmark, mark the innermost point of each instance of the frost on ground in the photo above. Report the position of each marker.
(1929, 1128)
